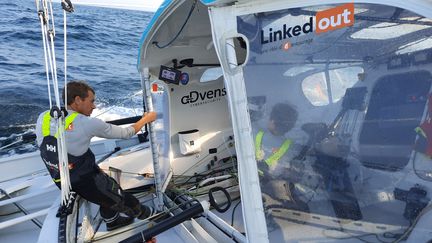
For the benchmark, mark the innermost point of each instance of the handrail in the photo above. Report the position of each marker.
(124, 121)
(26, 196)
(22, 209)
(24, 218)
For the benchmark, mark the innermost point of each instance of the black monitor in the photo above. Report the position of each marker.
(169, 75)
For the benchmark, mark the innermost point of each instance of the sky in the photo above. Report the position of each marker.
(143, 5)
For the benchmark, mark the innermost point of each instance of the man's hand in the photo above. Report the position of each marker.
(149, 116)
(152, 240)
(146, 118)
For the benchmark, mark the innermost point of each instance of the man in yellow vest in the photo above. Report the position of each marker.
(87, 179)
(274, 153)
(272, 146)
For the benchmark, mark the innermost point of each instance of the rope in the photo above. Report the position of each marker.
(65, 57)
(42, 19)
(46, 17)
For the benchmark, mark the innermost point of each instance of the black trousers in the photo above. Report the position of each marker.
(101, 189)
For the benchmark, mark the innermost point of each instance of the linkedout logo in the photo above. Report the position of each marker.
(324, 21)
(195, 98)
(335, 18)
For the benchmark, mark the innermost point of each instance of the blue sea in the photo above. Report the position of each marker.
(102, 50)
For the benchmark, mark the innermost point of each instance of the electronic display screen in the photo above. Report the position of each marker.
(169, 75)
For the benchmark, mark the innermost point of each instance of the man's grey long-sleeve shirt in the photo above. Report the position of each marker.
(82, 130)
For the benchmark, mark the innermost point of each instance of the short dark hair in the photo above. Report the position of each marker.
(284, 117)
(76, 88)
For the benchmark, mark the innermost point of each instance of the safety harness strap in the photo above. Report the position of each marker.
(46, 123)
(259, 153)
(69, 119)
(275, 157)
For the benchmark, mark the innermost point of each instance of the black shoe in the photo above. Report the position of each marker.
(146, 212)
(120, 221)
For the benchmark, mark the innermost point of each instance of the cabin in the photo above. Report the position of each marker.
(358, 76)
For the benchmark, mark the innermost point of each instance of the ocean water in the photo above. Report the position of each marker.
(102, 50)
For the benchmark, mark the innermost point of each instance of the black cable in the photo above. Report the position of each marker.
(417, 171)
(77, 221)
(233, 212)
(213, 201)
(181, 29)
(200, 175)
(390, 235)
(202, 160)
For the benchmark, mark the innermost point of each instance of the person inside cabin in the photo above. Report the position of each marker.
(87, 179)
(274, 154)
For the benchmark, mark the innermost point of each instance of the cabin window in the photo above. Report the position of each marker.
(417, 45)
(316, 89)
(386, 30)
(292, 72)
(211, 74)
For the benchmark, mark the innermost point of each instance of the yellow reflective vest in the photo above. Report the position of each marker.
(273, 159)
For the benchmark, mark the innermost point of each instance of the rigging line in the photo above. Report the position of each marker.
(47, 32)
(41, 14)
(50, 52)
(49, 36)
(62, 151)
(52, 16)
(61, 144)
(54, 66)
(65, 56)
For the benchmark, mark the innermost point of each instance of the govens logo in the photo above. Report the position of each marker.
(324, 21)
(195, 98)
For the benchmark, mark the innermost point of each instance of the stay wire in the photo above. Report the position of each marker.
(65, 57)
(42, 18)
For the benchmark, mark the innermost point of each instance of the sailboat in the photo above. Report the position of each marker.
(351, 163)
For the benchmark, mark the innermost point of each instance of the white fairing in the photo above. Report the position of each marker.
(253, 215)
(357, 166)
